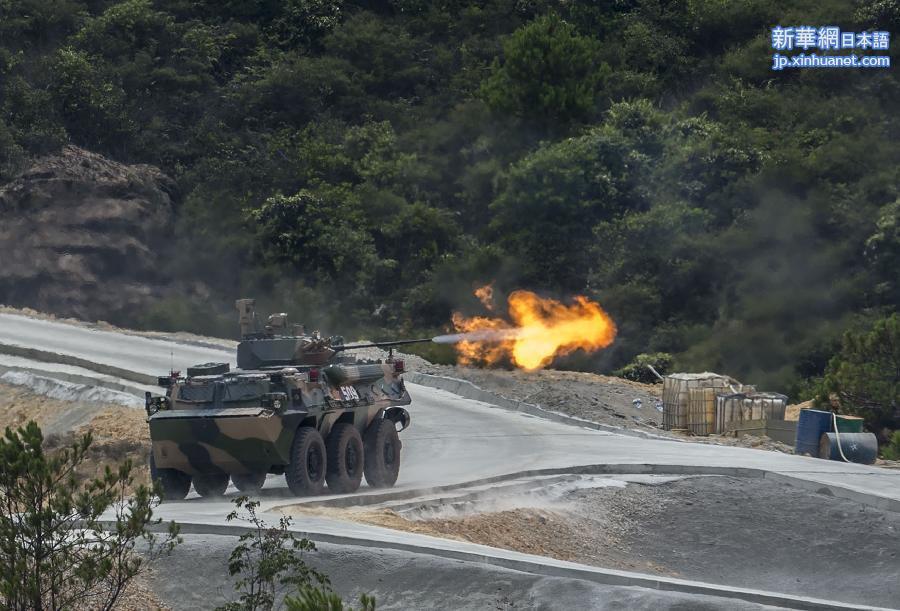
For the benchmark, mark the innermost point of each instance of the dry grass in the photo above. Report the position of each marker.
(120, 433)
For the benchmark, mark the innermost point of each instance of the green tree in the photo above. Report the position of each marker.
(883, 251)
(551, 200)
(90, 105)
(66, 541)
(268, 560)
(321, 235)
(549, 73)
(864, 377)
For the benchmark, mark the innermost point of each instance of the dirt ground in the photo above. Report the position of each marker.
(598, 398)
(742, 532)
(604, 399)
(119, 432)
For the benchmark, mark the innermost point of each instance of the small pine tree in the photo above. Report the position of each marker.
(864, 377)
(68, 541)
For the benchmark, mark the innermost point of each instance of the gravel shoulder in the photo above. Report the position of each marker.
(603, 399)
(749, 533)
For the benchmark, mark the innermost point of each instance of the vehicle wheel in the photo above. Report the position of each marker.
(211, 484)
(382, 446)
(249, 482)
(305, 475)
(175, 484)
(345, 458)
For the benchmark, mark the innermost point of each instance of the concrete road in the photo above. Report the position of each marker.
(453, 441)
(132, 352)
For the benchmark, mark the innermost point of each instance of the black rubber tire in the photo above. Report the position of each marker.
(305, 474)
(345, 459)
(382, 446)
(174, 484)
(211, 485)
(250, 483)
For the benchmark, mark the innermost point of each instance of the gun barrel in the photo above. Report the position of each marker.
(390, 344)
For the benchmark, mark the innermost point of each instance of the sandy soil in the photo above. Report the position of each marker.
(119, 432)
(139, 596)
(792, 412)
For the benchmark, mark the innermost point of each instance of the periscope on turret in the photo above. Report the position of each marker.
(298, 404)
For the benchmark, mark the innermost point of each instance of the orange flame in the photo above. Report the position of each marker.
(485, 295)
(539, 330)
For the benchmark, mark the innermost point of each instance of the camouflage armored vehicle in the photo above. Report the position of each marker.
(296, 405)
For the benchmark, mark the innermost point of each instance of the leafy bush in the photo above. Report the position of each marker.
(383, 156)
(639, 369)
(268, 561)
(891, 451)
(312, 599)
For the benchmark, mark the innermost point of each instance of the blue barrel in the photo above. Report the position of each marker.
(813, 422)
(857, 447)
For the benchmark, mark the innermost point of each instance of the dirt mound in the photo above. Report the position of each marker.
(752, 533)
(598, 398)
(82, 236)
(119, 432)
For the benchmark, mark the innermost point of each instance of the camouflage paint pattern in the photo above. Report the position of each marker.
(244, 421)
(227, 432)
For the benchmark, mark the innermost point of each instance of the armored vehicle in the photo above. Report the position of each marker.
(297, 405)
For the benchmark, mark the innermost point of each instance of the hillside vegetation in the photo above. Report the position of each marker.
(366, 164)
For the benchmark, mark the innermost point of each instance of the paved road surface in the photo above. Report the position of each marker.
(452, 440)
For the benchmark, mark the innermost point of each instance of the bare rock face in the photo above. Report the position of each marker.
(84, 236)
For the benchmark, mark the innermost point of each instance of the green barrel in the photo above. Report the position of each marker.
(849, 424)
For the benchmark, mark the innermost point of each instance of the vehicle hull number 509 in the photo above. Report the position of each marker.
(348, 393)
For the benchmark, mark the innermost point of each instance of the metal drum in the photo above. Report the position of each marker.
(849, 424)
(857, 447)
(812, 424)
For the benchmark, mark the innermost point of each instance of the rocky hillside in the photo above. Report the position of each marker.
(84, 236)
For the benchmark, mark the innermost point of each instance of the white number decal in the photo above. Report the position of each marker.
(348, 393)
